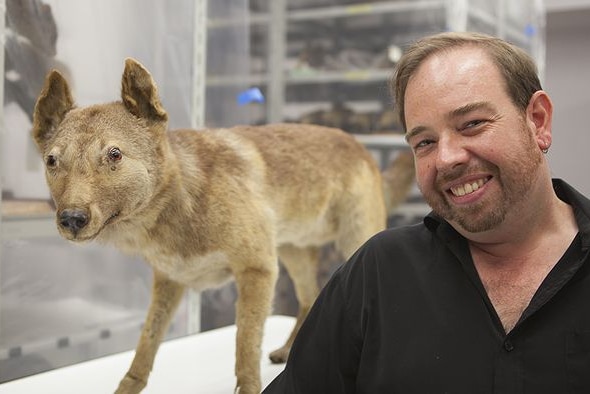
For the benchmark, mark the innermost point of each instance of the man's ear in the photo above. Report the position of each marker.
(540, 116)
(53, 103)
(140, 94)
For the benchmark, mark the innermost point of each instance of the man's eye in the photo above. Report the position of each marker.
(422, 144)
(471, 124)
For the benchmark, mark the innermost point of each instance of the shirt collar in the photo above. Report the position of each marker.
(580, 205)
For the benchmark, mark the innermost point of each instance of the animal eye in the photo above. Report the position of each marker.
(51, 161)
(115, 154)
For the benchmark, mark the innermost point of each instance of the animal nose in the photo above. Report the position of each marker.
(73, 219)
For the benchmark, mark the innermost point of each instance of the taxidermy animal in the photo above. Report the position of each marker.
(205, 207)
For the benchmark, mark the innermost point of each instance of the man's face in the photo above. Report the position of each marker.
(476, 155)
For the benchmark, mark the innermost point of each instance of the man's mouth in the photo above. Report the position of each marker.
(468, 188)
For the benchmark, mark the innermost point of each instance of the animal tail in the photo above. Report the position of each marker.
(398, 179)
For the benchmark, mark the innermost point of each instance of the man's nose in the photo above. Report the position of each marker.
(451, 152)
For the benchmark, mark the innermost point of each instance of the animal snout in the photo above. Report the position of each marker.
(73, 219)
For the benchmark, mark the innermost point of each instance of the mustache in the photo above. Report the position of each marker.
(450, 175)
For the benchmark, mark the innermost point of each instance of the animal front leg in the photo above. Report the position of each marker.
(166, 295)
(255, 293)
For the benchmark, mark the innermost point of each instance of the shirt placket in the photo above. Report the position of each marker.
(508, 368)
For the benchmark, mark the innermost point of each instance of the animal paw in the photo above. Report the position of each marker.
(280, 355)
(130, 385)
(247, 388)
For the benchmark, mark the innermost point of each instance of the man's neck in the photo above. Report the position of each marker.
(552, 223)
(513, 262)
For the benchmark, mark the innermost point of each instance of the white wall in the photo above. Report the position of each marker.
(567, 79)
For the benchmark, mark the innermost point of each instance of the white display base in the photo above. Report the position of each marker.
(201, 363)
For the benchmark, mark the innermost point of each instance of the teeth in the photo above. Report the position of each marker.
(467, 188)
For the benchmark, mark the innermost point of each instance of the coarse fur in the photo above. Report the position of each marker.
(204, 207)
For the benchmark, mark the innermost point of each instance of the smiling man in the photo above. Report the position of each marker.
(490, 294)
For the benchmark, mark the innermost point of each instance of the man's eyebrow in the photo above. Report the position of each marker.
(415, 131)
(464, 110)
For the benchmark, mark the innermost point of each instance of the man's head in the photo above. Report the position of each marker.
(477, 140)
(516, 66)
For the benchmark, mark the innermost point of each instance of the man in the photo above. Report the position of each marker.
(491, 293)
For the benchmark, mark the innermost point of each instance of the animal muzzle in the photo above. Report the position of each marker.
(73, 220)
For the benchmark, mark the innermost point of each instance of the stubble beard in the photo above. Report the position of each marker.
(515, 183)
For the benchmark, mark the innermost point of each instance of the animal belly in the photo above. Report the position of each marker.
(306, 233)
(200, 273)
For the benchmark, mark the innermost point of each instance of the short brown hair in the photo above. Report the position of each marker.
(516, 66)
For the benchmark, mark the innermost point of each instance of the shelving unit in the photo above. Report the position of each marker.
(281, 29)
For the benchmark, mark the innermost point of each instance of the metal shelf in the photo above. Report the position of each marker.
(320, 76)
(306, 76)
(79, 322)
(15, 227)
(253, 19)
(351, 10)
(488, 19)
(386, 141)
(258, 79)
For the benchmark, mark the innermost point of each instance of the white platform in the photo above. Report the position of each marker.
(202, 363)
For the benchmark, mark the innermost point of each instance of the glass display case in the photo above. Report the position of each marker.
(217, 64)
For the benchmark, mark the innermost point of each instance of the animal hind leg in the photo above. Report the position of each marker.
(363, 218)
(302, 266)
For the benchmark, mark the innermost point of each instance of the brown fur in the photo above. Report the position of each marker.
(205, 207)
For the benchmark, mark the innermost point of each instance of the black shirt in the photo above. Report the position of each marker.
(409, 314)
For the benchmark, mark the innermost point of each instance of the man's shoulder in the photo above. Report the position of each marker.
(402, 245)
(414, 234)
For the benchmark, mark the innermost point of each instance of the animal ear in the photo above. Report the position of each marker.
(55, 100)
(140, 94)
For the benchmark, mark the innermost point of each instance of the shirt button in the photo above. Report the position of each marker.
(508, 346)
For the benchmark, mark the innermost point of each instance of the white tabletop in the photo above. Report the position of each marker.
(201, 363)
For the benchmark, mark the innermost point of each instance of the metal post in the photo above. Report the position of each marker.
(277, 53)
(199, 64)
(193, 298)
(457, 15)
(501, 16)
(2, 127)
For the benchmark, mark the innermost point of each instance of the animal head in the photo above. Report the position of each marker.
(103, 163)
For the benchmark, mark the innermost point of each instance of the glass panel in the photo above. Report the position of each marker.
(62, 303)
